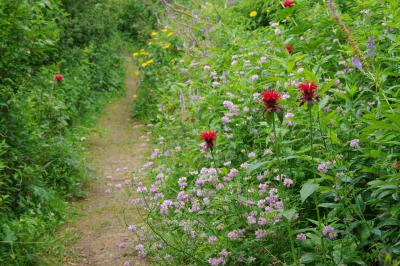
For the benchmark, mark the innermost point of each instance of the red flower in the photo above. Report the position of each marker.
(58, 77)
(270, 99)
(209, 137)
(308, 94)
(289, 48)
(288, 3)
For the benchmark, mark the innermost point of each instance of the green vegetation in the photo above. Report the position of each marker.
(276, 125)
(60, 60)
(304, 98)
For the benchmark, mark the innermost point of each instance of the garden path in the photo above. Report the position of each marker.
(101, 236)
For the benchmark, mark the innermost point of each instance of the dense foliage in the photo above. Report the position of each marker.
(277, 130)
(59, 61)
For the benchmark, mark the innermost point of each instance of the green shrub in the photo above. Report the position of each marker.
(42, 120)
(137, 19)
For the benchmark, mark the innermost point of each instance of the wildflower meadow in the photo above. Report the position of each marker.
(273, 129)
(276, 133)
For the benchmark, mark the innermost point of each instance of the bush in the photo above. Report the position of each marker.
(137, 19)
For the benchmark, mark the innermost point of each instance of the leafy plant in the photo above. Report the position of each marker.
(61, 60)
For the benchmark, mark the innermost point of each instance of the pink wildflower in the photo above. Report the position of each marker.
(301, 237)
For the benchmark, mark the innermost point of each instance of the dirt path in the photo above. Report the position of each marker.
(102, 236)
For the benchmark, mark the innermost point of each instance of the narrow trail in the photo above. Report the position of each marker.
(102, 237)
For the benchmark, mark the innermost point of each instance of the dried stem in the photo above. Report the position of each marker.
(183, 12)
(356, 49)
(349, 37)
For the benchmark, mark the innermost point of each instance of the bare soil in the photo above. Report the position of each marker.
(101, 236)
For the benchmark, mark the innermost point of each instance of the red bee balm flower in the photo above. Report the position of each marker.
(58, 77)
(270, 99)
(288, 3)
(209, 137)
(289, 48)
(308, 94)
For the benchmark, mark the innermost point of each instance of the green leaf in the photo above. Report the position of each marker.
(307, 190)
(9, 234)
(308, 257)
(288, 214)
(310, 76)
(256, 166)
(375, 153)
(327, 86)
(328, 205)
(323, 102)
(334, 138)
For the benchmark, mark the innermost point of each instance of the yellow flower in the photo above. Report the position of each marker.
(150, 43)
(164, 30)
(143, 52)
(253, 13)
(135, 54)
(153, 33)
(148, 62)
(170, 33)
(166, 46)
(137, 73)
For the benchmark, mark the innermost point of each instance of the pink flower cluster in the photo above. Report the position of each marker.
(233, 109)
(165, 206)
(236, 234)
(231, 175)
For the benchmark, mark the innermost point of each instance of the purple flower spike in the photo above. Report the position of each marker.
(357, 63)
(371, 45)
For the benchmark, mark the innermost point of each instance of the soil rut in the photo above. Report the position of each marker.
(102, 235)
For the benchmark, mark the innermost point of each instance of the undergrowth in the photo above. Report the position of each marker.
(60, 63)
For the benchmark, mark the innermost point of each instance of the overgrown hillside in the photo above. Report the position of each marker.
(277, 129)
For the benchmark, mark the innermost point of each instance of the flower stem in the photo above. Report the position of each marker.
(321, 131)
(320, 229)
(294, 256)
(315, 197)
(311, 135)
(275, 135)
(213, 158)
